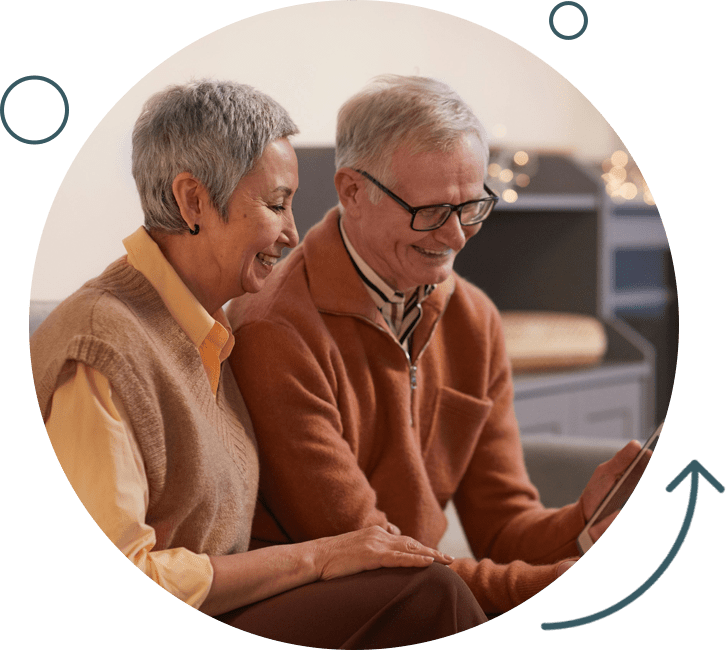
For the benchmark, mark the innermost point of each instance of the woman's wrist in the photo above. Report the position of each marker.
(307, 560)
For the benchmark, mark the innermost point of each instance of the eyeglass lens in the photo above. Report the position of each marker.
(472, 213)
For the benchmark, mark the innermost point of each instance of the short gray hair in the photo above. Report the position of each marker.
(214, 130)
(392, 111)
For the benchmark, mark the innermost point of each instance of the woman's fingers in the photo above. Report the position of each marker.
(393, 529)
(371, 548)
(401, 559)
(413, 547)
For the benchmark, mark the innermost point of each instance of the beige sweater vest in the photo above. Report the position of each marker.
(199, 451)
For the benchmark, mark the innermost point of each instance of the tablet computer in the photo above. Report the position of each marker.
(620, 492)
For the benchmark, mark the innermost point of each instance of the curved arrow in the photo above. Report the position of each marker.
(694, 468)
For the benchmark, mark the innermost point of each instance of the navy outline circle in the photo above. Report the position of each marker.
(552, 20)
(36, 78)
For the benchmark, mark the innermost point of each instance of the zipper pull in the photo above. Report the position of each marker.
(412, 375)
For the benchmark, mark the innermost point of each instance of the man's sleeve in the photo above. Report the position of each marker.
(310, 482)
(499, 507)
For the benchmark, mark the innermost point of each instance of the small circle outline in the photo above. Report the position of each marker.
(34, 78)
(560, 34)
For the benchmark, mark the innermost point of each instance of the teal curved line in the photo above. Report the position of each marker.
(694, 468)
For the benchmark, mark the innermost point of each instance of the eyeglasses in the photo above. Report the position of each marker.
(431, 217)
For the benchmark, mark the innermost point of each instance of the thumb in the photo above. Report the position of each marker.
(564, 566)
(620, 461)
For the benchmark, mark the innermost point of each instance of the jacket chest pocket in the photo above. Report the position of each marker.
(456, 425)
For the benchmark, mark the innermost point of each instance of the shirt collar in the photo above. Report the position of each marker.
(377, 287)
(146, 257)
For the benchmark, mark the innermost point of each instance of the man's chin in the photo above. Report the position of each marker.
(434, 277)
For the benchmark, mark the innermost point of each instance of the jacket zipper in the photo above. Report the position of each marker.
(412, 367)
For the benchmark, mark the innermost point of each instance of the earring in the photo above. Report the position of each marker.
(196, 229)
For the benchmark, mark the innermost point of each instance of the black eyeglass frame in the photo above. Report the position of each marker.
(492, 198)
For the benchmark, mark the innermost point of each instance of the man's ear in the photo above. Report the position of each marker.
(350, 187)
(191, 197)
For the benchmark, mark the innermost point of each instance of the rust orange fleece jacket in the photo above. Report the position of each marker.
(347, 441)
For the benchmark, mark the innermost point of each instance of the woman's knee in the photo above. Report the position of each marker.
(445, 595)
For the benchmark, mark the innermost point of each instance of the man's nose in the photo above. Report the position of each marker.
(452, 233)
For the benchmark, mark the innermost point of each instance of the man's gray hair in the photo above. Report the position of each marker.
(214, 130)
(393, 111)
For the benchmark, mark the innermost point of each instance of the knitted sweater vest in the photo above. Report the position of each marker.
(199, 451)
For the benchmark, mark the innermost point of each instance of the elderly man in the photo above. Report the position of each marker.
(377, 379)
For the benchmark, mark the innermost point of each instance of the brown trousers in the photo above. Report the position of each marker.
(385, 608)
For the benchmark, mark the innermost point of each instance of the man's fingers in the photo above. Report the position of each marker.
(620, 461)
(601, 526)
(564, 566)
(606, 475)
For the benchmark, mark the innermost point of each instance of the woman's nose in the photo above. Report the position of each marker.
(289, 233)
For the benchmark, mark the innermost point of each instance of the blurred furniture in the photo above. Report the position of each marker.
(638, 284)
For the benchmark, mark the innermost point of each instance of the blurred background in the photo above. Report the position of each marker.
(576, 231)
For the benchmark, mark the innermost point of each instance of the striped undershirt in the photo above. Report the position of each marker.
(400, 314)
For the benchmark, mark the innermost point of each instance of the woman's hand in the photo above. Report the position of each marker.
(370, 548)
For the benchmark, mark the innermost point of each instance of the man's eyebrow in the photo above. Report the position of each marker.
(286, 191)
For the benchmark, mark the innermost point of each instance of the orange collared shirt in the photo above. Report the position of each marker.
(95, 443)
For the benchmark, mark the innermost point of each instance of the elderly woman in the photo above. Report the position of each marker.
(147, 421)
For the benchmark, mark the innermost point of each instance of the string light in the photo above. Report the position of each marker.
(494, 170)
(506, 175)
(499, 130)
(522, 180)
(629, 191)
(623, 180)
(521, 158)
(619, 159)
(618, 174)
(510, 195)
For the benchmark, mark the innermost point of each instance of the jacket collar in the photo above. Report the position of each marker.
(336, 287)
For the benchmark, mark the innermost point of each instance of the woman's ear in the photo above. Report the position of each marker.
(350, 186)
(191, 197)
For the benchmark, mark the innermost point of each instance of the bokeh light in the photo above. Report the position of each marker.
(619, 158)
(521, 158)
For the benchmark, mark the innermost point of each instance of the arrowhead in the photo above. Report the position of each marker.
(694, 467)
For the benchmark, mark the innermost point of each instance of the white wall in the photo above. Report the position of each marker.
(311, 58)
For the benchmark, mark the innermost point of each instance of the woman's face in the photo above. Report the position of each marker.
(260, 222)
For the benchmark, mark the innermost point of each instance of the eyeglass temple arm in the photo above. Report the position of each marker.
(388, 192)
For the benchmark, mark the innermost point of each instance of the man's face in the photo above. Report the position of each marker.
(403, 257)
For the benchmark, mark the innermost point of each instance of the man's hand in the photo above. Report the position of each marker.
(603, 479)
(563, 566)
